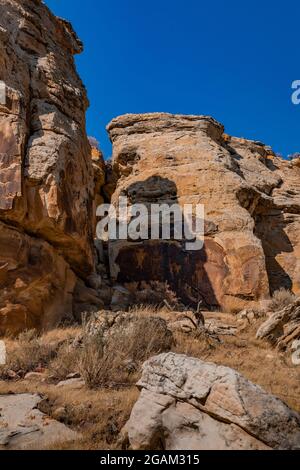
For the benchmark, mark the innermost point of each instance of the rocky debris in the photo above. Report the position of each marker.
(12, 375)
(121, 298)
(35, 376)
(248, 317)
(221, 324)
(74, 383)
(47, 182)
(94, 281)
(186, 403)
(248, 314)
(252, 205)
(24, 427)
(212, 324)
(60, 414)
(282, 327)
(187, 321)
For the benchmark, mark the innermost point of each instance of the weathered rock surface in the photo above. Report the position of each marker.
(99, 176)
(282, 328)
(46, 173)
(24, 427)
(252, 209)
(108, 325)
(186, 403)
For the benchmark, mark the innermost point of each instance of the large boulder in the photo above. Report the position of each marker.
(46, 172)
(251, 199)
(186, 403)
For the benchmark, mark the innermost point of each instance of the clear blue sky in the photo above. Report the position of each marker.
(233, 60)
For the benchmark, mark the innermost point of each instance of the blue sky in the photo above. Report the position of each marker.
(232, 60)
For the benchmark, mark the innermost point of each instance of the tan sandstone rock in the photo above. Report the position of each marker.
(186, 403)
(282, 328)
(251, 214)
(46, 172)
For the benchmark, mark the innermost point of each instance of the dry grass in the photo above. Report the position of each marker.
(30, 351)
(98, 415)
(281, 298)
(27, 354)
(66, 362)
(113, 361)
(116, 359)
(253, 358)
(111, 367)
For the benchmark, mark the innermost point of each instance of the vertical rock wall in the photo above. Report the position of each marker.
(46, 173)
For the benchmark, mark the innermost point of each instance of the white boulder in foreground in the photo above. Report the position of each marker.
(186, 403)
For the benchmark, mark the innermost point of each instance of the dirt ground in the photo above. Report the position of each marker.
(99, 413)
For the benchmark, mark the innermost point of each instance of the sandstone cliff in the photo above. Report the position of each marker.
(46, 173)
(51, 182)
(252, 207)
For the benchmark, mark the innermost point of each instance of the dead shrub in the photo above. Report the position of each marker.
(114, 357)
(281, 298)
(154, 293)
(66, 362)
(27, 354)
(94, 364)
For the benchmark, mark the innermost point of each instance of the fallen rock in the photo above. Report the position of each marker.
(186, 403)
(186, 321)
(24, 427)
(12, 375)
(120, 299)
(77, 383)
(94, 281)
(282, 327)
(60, 413)
(34, 376)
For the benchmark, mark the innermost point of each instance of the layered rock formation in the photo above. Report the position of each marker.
(252, 207)
(46, 173)
(186, 403)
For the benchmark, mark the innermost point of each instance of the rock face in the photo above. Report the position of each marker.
(251, 200)
(24, 427)
(282, 327)
(186, 403)
(46, 173)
